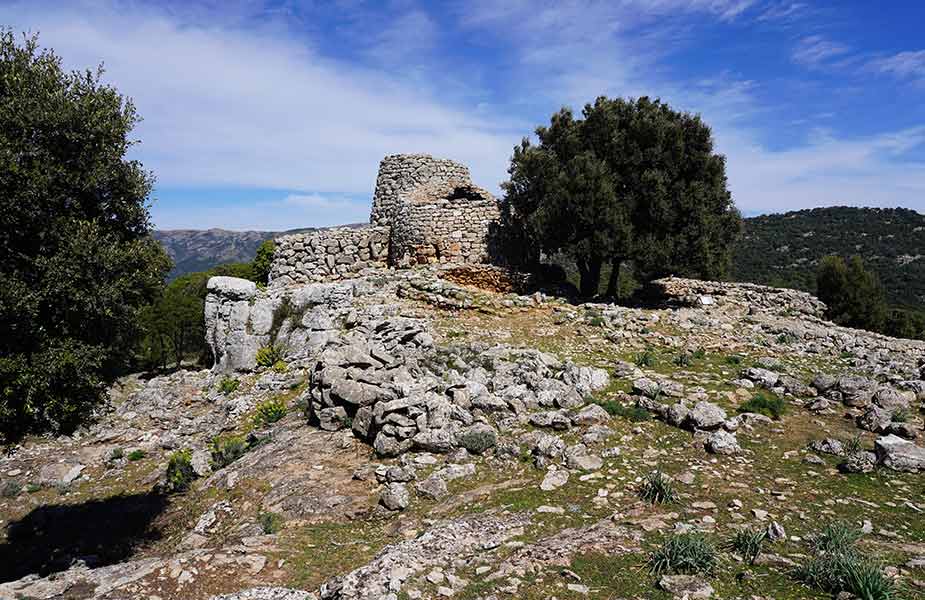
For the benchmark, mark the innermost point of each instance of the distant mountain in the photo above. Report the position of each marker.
(784, 249)
(201, 249)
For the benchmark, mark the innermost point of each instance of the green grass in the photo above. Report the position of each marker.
(270, 522)
(180, 474)
(228, 385)
(764, 404)
(226, 450)
(269, 356)
(835, 537)
(634, 414)
(748, 543)
(684, 553)
(656, 488)
(136, 455)
(270, 411)
(646, 358)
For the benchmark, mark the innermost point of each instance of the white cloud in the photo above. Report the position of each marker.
(226, 106)
(816, 50)
(904, 65)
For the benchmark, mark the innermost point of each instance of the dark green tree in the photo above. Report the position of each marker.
(263, 261)
(853, 294)
(77, 260)
(633, 180)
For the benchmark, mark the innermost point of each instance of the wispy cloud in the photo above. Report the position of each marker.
(904, 65)
(816, 50)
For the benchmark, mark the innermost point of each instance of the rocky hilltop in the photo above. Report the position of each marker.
(444, 429)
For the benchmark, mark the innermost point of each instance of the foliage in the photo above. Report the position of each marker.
(685, 553)
(280, 366)
(636, 414)
(270, 411)
(854, 445)
(226, 450)
(136, 455)
(269, 355)
(180, 473)
(631, 181)
(656, 488)
(270, 522)
(785, 249)
(748, 543)
(838, 566)
(263, 261)
(684, 359)
(116, 454)
(76, 256)
(228, 385)
(646, 358)
(853, 294)
(764, 404)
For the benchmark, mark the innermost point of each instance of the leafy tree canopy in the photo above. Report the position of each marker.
(853, 294)
(633, 180)
(76, 256)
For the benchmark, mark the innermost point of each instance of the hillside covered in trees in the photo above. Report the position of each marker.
(784, 249)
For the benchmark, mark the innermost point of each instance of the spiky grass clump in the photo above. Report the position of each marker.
(270, 411)
(765, 404)
(748, 543)
(270, 522)
(854, 445)
(837, 566)
(646, 358)
(656, 488)
(837, 536)
(685, 553)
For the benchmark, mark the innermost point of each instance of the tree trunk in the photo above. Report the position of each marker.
(590, 272)
(614, 277)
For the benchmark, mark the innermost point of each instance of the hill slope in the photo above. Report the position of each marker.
(784, 249)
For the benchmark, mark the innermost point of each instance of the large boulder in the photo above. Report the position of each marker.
(898, 454)
(856, 391)
(706, 416)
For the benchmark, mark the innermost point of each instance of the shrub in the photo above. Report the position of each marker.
(836, 537)
(646, 358)
(228, 385)
(280, 366)
(854, 445)
(635, 414)
(136, 455)
(180, 473)
(700, 353)
(683, 360)
(226, 450)
(270, 411)
(269, 356)
(748, 543)
(270, 522)
(900, 416)
(116, 454)
(32, 488)
(685, 553)
(734, 360)
(656, 488)
(10, 489)
(764, 404)
(596, 321)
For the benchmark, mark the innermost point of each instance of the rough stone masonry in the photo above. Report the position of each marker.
(425, 210)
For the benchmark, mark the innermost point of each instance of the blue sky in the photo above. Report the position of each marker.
(274, 114)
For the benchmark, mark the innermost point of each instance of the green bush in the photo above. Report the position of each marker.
(764, 404)
(10, 489)
(734, 360)
(683, 360)
(646, 358)
(280, 366)
(228, 385)
(685, 553)
(136, 455)
(180, 473)
(270, 411)
(270, 522)
(269, 356)
(635, 414)
(837, 566)
(748, 543)
(116, 454)
(656, 488)
(226, 450)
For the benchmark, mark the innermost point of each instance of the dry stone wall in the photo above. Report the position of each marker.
(329, 254)
(448, 222)
(402, 173)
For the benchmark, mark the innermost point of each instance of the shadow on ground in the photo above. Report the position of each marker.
(99, 532)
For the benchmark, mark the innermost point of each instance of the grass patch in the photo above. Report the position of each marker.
(180, 474)
(646, 358)
(684, 553)
(269, 355)
(270, 411)
(656, 488)
(764, 404)
(136, 455)
(228, 385)
(635, 414)
(226, 450)
(748, 543)
(270, 522)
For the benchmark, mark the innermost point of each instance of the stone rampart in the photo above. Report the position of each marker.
(328, 254)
